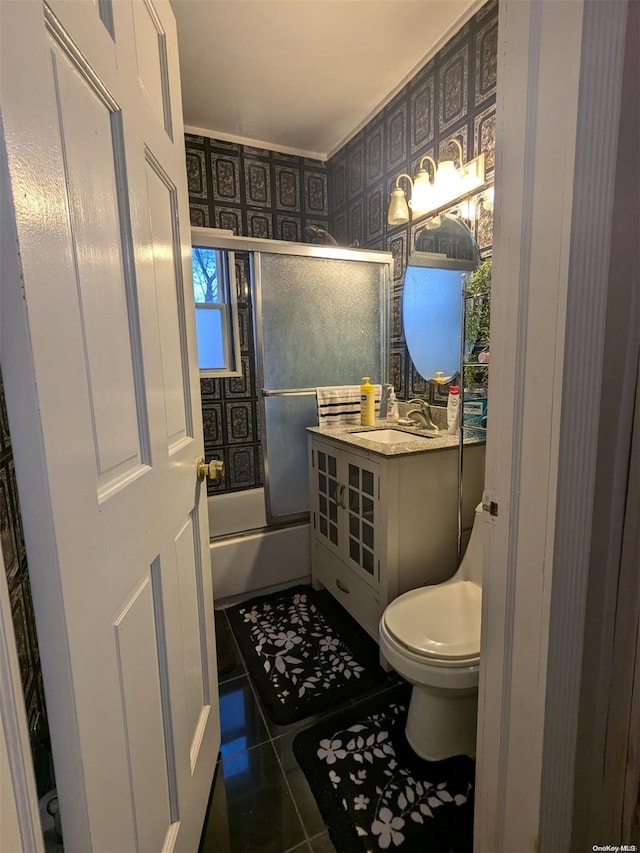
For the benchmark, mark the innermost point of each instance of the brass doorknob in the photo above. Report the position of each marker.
(214, 470)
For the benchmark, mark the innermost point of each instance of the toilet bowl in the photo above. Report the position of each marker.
(431, 637)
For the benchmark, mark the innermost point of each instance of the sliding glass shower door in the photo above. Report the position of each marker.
(321, 319)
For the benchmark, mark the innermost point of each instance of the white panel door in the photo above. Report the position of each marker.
(100, 369)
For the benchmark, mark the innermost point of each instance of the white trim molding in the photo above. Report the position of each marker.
(559, 81)
(19, 819)
(608, 753)
(19, 816)
(254, 143)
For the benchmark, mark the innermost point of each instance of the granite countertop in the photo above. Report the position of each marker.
(356, 436)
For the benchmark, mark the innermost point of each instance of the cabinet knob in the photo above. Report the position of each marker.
(342, 587)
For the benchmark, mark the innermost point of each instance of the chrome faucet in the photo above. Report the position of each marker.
(421, 410)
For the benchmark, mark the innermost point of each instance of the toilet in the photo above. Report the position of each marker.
(431, 637)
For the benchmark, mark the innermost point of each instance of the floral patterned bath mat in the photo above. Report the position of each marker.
(304, 652)
(374, 793)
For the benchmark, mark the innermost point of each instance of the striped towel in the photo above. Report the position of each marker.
(340, 404)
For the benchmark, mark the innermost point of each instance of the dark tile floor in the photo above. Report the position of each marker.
(260, 799)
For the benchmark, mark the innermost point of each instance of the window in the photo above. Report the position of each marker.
(214, 294)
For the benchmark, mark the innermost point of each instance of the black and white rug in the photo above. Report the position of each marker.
(374, 793)
(304, 652)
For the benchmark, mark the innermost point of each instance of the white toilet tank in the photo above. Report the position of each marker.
(470, 569)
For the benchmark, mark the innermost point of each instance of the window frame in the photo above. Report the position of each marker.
(227, 305)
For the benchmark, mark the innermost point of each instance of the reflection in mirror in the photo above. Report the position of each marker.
(432, 294)
(432, 312)
(449, 235)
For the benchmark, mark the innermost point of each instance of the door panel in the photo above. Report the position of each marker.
(285, 419)
(89, 120)
(321, 321)
(196, 684)
(100, 368)
(151, 60)
(169, 296)
(142, 713)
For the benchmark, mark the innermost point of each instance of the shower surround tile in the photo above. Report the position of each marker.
(376, 211)
(486, 62)
(397, 334)
(484, 131)
(315, 195)
(396, 135)
(288, 228)
(196, 174)
(260, 225)
(452, 90)
(242, 467)
(356, 172)
(422, 115)
(199, 215)
(225, 173)
(397, 245)
(257, 180)
(375, 153)
(240, 422)
(355, 227)
(229, 218)
(287, 188)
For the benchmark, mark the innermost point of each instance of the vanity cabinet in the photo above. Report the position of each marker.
(345, 503)
(381, 525)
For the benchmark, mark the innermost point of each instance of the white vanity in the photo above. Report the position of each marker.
(384, 512)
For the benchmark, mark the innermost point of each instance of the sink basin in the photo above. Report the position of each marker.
(388, 436)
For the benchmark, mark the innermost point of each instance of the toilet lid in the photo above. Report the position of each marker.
(440, 621)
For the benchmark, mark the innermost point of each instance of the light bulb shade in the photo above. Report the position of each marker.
(422, 196)
(398, 208)
(448, 181)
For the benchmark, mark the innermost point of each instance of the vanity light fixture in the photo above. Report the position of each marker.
(421, 194)
(450, 184)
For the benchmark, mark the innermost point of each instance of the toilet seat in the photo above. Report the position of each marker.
(439, 624)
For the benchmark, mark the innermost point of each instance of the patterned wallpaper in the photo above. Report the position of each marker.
(255, 193)
(452, 97)
(15, 564)
(261, 193)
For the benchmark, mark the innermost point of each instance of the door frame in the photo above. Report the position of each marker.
(19, 804)
(20, 823)
(560, 80)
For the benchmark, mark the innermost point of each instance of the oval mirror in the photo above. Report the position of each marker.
(432, 295)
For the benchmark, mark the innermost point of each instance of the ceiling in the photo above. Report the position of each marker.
(302, 76)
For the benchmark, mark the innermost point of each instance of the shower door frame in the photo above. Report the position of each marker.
(256, 247)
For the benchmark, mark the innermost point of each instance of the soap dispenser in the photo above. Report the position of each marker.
(453, 410)
(393, 412)
(367, 403)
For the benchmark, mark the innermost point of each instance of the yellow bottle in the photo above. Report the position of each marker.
(367, 403)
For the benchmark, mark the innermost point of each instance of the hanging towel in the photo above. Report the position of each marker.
(340, 404)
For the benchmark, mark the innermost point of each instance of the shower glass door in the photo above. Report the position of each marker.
(321, 319)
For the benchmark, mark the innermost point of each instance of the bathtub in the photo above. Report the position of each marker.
(247, 557)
